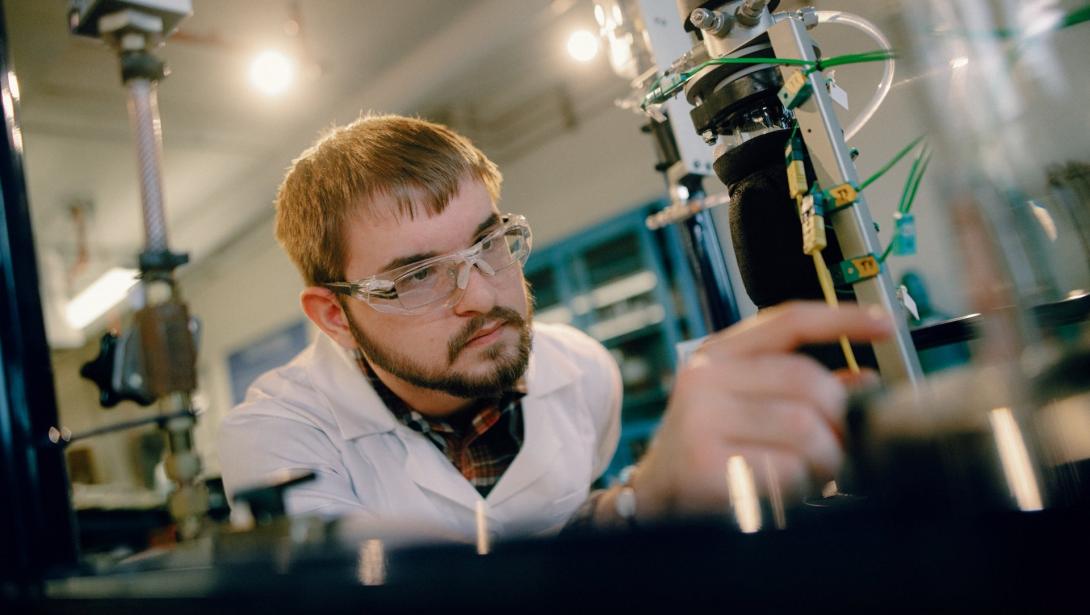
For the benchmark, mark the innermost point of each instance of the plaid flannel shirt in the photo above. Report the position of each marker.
(480, 441)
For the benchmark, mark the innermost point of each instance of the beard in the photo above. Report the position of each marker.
(507, 365)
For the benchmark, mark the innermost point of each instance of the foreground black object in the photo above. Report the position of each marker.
(37, 532)
(844, 560)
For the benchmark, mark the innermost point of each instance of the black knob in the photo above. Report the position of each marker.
(100, 370)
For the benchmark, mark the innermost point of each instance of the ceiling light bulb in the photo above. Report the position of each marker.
(583, 46)
(272, 72)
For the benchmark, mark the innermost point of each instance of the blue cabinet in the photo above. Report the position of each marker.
(631, 289)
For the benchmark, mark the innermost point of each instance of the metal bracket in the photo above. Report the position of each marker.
(832, 162)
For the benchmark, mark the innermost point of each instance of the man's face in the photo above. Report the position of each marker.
(475, 348)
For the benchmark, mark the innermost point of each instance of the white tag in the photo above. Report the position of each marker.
(836, 92)
(908, 302)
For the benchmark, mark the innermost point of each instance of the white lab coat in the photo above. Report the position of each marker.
(319, 412)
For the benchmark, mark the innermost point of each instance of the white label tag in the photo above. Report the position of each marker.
(908, 302)
(836, 92)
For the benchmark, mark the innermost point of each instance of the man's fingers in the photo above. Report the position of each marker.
(771, 470)
(861, 381)
(787, 376)
(786, 327)
(783, 424)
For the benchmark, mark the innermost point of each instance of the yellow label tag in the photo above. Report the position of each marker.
(842, 195)
(813, 226)
(867, 266)
(796, 81)
(796, 179)
(813, 235)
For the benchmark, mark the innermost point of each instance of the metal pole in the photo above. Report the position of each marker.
(144, 118)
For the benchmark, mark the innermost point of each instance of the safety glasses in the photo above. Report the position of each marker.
(440, 282)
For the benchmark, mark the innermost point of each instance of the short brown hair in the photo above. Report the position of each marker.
(418, 163)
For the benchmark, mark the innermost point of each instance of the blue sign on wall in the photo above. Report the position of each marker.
(272, 351)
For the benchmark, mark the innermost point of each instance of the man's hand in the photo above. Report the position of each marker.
(745, 392)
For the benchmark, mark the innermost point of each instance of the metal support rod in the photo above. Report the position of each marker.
(854, 226)
(144, 117)
(58, 438)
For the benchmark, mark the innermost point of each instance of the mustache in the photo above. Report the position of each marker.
(504, 315)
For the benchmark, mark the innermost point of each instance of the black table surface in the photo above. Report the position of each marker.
(855, 560)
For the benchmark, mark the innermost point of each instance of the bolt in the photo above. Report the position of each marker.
(808, 17)
(712, 22)
(749, 13)
(854, 152)
(701, 18)
(709, 137)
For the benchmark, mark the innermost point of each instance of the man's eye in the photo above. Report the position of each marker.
(421, 275)
(487, 244)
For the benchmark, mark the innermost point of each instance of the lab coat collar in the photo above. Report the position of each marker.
(359, 412)
(355, 406)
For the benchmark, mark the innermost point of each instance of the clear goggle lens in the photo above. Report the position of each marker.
(441, 281)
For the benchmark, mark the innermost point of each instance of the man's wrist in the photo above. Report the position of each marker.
(617, 508)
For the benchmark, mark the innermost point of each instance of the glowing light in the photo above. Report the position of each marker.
(372, 568)
(583, 46)
(100, 297)
(483, 546)
(272, 72)
(959, 62)
(1014, 457)
(743, 494)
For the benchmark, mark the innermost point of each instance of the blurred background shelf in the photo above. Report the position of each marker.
(631, 289)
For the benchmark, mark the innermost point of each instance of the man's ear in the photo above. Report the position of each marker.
(322, 308)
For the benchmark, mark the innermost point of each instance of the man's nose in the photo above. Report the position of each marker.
(479, 295)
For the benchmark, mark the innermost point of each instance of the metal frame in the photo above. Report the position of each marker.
(854, 226)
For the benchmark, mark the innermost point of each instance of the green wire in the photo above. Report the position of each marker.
(855, 58)
(1076, 17)
(655, 96)
(685, 76)
(889, 248)
(886, 167)
(908, 195)
(916, 184)
(911, 175)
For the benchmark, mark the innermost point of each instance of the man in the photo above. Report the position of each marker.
(430, 390)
